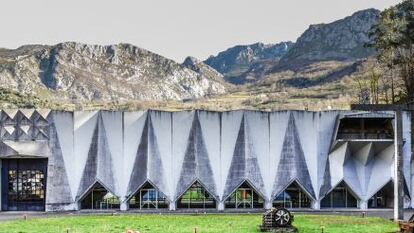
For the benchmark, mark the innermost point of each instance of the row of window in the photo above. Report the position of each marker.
(245, 197)
(365, 128)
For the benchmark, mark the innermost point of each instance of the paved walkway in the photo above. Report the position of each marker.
(12, 215)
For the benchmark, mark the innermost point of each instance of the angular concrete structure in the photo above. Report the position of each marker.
(57, 160)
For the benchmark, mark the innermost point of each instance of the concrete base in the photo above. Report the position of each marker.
(220, 206)
(124, 206)
(268, 205)
(61, 207)
(363, 205)
(172, 206)
(316, 205)
(290, 229)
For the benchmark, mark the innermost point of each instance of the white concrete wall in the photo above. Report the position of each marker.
(264, 136)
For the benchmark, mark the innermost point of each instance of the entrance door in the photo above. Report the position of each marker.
(23, 184)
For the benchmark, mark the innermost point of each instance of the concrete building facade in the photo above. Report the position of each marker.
(57, 160)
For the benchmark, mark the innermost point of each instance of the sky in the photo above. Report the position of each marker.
(173, 28)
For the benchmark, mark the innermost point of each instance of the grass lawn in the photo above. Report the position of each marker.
(187, 223)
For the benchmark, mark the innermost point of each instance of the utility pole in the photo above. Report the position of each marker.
(398, 158)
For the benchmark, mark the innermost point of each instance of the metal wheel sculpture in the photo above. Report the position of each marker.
(282, 217)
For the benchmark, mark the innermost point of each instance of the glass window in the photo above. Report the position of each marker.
(339, 197)
(25, 186)
(292, 197)
(196, 197)
(365, 128)
(99, 198)
(148, 197)
(384, 198)
(244, 197)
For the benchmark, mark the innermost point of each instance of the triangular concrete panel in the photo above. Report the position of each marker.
(98, 165)
(10, 112)
(89, 174)
(292, 165)
(162, 123)
(9, 129)
(139, 173)
(351, 176)
(63, 127)
(27, 112)
(244, 165)
(112, 124)
(211, 131)
(7, 150)
(229, 129)
(58, 189)
(133, 125)
(25, 128)
(382, 170)
(326, 185)
(278, 122)
(84, 127)
(363, 152)
(44, 113)
(105, 171)
(196, 165)
(259, 148)
(148, 165)
(21, 118)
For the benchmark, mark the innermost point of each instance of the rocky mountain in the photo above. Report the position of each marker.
(320, 67)
(236, 60)
(203, 70)
(342, 40)
(75, 72)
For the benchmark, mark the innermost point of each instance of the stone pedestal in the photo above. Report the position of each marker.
(285, 230)
(290, 229)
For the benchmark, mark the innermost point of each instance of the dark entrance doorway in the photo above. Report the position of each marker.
(23, 184)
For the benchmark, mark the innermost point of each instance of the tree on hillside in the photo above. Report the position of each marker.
(393, 38)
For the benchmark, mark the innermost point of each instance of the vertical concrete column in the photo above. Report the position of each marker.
(172, 206)
(124, 204)
(220, 206)
(316, 205)
(411, 204)
(363, 205)
(398, 168)
(268, 204)
(1, 167)
(76, 205)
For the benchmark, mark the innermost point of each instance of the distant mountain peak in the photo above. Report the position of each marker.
(202, 68)
(78, 72)
(340, 40)
(237, 59)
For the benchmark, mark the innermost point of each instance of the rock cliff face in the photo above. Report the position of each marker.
(341, 40)
(79, 72)
(239, 58)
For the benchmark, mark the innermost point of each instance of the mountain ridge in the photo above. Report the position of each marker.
(342, 40)
(319, 68)
(82, 72)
